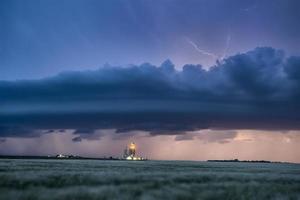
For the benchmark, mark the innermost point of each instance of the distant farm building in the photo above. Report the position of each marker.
(130, 152)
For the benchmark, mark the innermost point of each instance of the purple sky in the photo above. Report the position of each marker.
(38, 39)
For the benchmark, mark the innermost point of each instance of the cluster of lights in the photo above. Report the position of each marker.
(130, 153)
(134, 158)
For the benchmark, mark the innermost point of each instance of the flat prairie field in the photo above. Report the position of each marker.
(96, 179)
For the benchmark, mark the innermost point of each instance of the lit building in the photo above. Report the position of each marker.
(132, 148)
(130, 152)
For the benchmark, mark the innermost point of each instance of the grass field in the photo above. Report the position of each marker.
(94, 179)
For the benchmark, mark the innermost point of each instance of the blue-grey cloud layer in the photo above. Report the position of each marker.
(259, 89)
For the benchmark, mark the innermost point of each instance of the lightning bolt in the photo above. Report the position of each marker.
(228, 39)
(200, 50)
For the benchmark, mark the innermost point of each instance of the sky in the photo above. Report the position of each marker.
(186, 80)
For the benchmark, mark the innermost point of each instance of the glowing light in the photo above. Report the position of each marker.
(132, 146)
(129, 158)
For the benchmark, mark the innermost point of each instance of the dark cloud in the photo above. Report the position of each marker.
(77, 139)
(87, 134)
(84, 131)
(292, 68)
(254, 90)
(183, 137)
(18, 131)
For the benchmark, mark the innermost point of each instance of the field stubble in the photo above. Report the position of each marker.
(95, 179)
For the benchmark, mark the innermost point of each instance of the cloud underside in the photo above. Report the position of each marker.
(259, 89)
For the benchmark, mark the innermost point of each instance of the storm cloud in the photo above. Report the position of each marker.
(259, 89)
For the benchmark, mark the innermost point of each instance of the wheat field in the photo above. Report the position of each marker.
(96, 179)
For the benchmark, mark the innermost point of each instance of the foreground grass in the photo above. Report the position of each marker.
(92, 179)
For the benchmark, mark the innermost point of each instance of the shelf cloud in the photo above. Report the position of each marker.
(253, 90)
